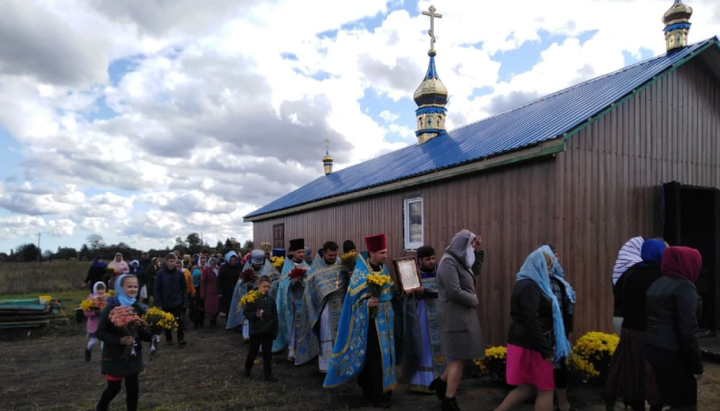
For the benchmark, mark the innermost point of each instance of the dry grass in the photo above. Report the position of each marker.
(41, 278)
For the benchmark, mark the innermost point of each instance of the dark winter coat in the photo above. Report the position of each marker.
(532, 319)
(268, 323)
(94, 275)
(460, 334)
(227, 279)
(112, 362)
(671, 319)
(171, 288)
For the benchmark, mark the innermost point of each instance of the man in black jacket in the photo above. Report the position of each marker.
(171, 294)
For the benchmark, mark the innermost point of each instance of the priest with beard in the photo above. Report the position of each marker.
(365, 346)
(289, 299)
(325, 290)
(227, 278)
(259, 267)
(423, 361)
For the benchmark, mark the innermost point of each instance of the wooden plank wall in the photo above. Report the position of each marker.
(612, 173)
(511, 208)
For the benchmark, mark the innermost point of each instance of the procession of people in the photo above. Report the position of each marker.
(342, 312)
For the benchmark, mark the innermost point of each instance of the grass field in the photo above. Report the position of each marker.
(41, 278)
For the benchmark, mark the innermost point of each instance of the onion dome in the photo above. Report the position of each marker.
(327, 160)
(677, 25)
(431, 90)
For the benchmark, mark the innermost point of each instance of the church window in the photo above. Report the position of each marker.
(413, 223)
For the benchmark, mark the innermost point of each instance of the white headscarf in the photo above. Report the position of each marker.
(97, 285)
(470, 251)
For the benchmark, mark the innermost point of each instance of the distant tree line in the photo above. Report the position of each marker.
(95, 245)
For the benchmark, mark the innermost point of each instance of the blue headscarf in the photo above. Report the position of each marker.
(652, 251)
(96, 264)
(559, 273)
(535, 269)
(231, 254)
(120, 295)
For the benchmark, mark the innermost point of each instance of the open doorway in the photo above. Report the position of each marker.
(692, 219)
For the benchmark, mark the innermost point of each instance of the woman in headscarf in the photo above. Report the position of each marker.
(671, 346)
(565, 295)
(537, 338)
(96, 272)
(120, 266)
(630, 376)
(116, 365)
(227, 278)
(209, 290)
(460, 334)
(628, 256)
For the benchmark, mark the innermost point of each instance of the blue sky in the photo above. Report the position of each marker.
(146, 149)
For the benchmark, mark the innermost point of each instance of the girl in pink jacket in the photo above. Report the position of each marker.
(93, 318)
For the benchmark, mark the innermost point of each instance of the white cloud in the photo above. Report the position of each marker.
(213, 122)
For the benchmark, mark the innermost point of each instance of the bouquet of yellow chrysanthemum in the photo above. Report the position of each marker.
(250, 297)
(592, 355)
(277, 262)
(493, 365)
(348, 260)
(96, 304)
(376, 283)
(157, 321)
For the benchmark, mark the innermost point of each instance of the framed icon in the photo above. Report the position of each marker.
(407, 273)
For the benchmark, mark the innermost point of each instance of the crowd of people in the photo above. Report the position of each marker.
(340, 309)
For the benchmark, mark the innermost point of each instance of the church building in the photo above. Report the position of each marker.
(634, 152)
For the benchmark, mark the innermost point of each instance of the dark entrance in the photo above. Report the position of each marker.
(692, 219)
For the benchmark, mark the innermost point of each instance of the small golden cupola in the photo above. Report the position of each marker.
(677, 25)
(327, 160)
(432, 95)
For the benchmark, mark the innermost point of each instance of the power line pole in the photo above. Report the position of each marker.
(38, 247)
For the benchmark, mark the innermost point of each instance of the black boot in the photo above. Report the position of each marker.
(270, 378)
(247, 372)
(88, 355)
(438, 386)
(450, 404)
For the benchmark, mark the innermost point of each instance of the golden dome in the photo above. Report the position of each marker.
(328, 158)
(431, 91)
(678, 13)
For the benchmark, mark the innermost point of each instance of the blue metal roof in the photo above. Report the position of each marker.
(530, 124)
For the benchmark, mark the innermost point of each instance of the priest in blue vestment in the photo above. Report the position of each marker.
(289, 298)
(259, 266)
(323, 300)
(423, 360)
(365, 346)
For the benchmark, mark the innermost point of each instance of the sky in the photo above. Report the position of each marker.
(144, 120)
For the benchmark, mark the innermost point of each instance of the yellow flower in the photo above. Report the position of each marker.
(250, 297)
(157, 318)
(110, 293)
(380, 280)
(277, 262)
(86, 305)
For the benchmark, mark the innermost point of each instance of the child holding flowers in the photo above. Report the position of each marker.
(91, 308)
(261, 312)
(121, 328)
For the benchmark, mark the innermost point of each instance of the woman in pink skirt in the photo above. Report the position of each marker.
(537, 336)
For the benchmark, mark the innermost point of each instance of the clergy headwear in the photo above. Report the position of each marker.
(375, 243)
(258, 256)
(425, 252)
(278, 252)
(266, 247)
(308, 251)
(348, 246)
(297, 244)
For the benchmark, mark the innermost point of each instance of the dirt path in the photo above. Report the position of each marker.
(49, 373)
